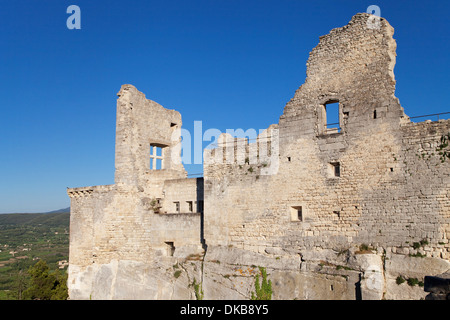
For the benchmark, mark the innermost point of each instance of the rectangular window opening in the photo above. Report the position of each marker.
(296, 213)
(170, 248)
(332, 120)
(190, 206)
(156, 157)
(177, 206)
(334, 169)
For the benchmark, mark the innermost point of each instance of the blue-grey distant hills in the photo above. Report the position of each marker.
(57, 218)
(60, 210)
(64, 210)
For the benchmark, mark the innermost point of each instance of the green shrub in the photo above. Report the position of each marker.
(263, 291)
(414, 282)
(399, 280)
(198, 290)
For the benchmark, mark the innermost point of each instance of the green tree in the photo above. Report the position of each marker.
(45, 285)
(18, 286)
(61, 290)
(263, 291)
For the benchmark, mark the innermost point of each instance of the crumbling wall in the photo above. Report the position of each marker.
(141, 123)
(383, 198)
(123, 243)
(331, 211)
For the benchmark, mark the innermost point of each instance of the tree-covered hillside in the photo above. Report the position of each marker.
(26, 238)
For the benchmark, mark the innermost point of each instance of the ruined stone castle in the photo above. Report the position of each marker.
(331, 211)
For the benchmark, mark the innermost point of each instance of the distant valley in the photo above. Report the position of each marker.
(26, 238)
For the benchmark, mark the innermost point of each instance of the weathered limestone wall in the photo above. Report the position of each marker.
(111, 231)
(141, 122)
(187, 192)
(387, 196)
(331, 213)
(386, 191)
(123, 243)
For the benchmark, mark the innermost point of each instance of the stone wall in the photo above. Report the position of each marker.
(188, 193)
(389, 193)
(331, 211)
(125, 238)
(140, 124)
(386, 192)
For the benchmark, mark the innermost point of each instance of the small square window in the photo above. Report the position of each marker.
(334, 169)
(296, 213)
(170, 248)
(190, 206)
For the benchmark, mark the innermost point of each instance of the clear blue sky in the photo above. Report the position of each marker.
(231, 64)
